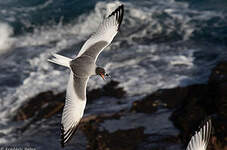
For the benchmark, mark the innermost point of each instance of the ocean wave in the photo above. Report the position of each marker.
(6, 39)
(141, 34)
(37, 47)
(155, 49)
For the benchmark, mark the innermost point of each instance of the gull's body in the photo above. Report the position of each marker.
(201, 139)
(81, 68)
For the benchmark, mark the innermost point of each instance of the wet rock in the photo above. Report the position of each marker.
(192, 104)
(187, 118)
(209, 99)
(219, 138)
(218, 74)
(175, 97)
(47, 104)
(221, 99)
(170, 98)
(193, 108)
(121, 139)
(145, 105)
(160, 142)
(103, 140)
(44, 105)
(218, 85)
(115, 131)
(111, 89)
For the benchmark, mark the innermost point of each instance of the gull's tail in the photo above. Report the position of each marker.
(60, 60)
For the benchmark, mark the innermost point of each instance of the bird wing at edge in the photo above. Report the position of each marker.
(74, 107)
(201, 139)
(104, 34)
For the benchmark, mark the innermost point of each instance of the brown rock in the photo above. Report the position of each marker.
(145, 105)
(170, 98)
(176, 96)
(221, 99)
(47, 104)
(111, 89)
(44, 105)
(218, 85)
(103, 140)
(219, 73)
(209, 99)
(121, 139)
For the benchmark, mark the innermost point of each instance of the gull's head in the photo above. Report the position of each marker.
(101, 72)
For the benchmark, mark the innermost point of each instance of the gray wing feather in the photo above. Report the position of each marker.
(80, 87)
(95, 49)
(74, 107)
(104, 34)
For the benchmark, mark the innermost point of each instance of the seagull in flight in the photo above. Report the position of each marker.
(81, 68)
(201, 139)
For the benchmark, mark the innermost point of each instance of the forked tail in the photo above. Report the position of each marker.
(60, 60)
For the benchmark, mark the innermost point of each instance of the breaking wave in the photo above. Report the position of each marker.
(161, 44)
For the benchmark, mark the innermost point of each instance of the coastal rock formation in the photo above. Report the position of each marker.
(209, 100)
(47, 104)
(190, 106)
(193, 104)
(102, 139)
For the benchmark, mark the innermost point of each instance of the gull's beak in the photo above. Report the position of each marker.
(103, 77)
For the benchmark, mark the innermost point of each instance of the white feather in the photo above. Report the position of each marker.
(105, 32)
(76, 98)
(74, 107)
(60, 60)
(201, 139)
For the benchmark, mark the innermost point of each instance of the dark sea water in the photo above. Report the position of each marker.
(161, 44)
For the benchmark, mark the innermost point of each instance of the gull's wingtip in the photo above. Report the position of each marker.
(67, 136)
(119, 12)
(200, 140)
(62, 136)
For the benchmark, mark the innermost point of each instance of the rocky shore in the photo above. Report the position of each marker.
(165, 119)
(193, 104)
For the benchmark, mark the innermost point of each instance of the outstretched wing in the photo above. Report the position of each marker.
(201, 139)
(104, 34)
(74, 107)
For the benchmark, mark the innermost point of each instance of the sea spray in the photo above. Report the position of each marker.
(6, 39)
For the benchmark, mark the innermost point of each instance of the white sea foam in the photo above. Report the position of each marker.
(141, 67)
(136, 67)
(42, 76)
(6, 41)
(35, 8)
(141, 74)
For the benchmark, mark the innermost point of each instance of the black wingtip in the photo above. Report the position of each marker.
(207, 129)
(62, 136)
(207, 120)
(119, 12)
(65, 137)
